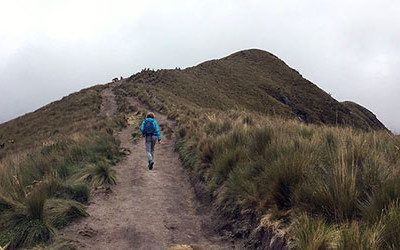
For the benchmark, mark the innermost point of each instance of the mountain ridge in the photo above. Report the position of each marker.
(236, 128)
(257, 80)
(253, 79)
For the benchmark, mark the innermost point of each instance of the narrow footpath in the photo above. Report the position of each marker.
(146, 209)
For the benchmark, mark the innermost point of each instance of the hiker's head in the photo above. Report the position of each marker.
(150, 115)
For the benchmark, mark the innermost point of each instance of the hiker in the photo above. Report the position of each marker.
(151, 133)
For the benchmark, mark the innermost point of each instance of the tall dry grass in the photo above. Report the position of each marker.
(44, 191)
(339, 183)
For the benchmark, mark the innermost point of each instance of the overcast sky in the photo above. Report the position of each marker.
(50, 48)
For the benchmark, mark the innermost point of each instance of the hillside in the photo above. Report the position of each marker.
(254, 80)
(74, 113)
(258, 81)
(273, 161)
(364, 115)
(50, 160)
(252, 140)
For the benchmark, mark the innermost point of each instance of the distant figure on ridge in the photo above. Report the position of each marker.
(151, 133)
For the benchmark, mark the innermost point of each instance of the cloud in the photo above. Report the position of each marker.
(350, 49)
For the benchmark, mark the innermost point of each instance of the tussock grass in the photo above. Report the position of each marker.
(391, 224)
(56, 188)
(40, 189)
(342, 177)
(101, 174)
(25, 225)
(37, 198)
(314, 234)
(354, 236)
(60, 212)
(235, 137)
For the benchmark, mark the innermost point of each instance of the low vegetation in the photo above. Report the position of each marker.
(333, 187)
(46, 190)
(51, 166)
(310, 186)
(275, 155)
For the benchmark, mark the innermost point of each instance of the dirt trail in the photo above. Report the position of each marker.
(146, 209)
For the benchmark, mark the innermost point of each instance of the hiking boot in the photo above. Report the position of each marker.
(151, 165)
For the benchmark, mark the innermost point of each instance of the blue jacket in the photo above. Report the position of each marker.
(155, 127)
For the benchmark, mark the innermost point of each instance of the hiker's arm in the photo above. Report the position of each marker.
(142, 128)
(157, 131)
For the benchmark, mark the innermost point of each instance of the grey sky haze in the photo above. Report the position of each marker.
(49, 49)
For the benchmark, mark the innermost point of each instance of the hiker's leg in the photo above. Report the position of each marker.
(153, 144)
(148, 149)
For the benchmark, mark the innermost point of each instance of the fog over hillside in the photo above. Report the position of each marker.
(48, 50)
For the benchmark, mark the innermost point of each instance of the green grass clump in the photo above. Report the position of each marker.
(56, 188)
(60, 212)
(314, 234)
(391, 223)
(26, 225)
(354, 236)
(42, 192)
(101, 174)
(28, 232)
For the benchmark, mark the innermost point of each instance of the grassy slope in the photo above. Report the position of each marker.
(58, 153)
(251, 164)
(73, 113)
(312, 186)
(254, 80)
(315, 186)
(364, 114)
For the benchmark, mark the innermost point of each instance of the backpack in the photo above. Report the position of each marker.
(149, 128)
